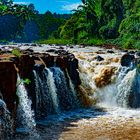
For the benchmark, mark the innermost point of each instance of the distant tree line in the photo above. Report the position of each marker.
(116, 21)
(22, 23)
(93, 22)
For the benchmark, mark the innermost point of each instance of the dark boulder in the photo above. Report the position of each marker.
(125, 51)
(110, 51)
(99, 58)
(137, 54)
(72, 66)
(51, 50)
(127, 59)
(132, 52)
(61, 52)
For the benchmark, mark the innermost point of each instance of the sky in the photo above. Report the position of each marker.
(58, 6)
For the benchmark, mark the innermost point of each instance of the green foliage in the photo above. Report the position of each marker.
(128, 44)
(93, 41)
(67, 31)
(16, 52)
(114, 20)
(55, 41)
(4, 41)
(117, 21)
(130, 31)
(48, 24)
(26, 81)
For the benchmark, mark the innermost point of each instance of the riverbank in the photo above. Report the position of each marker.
(90, 42)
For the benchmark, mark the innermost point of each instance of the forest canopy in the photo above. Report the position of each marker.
(94, 22)
(112, 21)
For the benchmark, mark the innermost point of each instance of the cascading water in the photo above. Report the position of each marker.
(44, 102)
(122, 91)
(55, 98)
(52, 89)
(128, 90)
(54, 92)
(38, 94)
(6, 122)
(46, 97)
(25, 115)
(73, 90)
(66, 94)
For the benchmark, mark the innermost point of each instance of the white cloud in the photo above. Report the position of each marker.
(62, 1)
(70, 7)
(22, 3)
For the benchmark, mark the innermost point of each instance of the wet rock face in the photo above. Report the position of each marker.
(127, 59)
(48, 60)
(61, 62)
(105, 77)
(72, 66)
(8, 78)
(25, 66)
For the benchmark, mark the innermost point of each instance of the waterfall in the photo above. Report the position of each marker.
(73, 91)
(124, 89)
(25, 114)
(6, 122)
(128, 90)
(108, 95)
(38, 94)
(44, 101)
(52, 89)
(123, 92)
(66, 94)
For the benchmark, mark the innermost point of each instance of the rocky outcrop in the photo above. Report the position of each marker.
(24, 64)
(127, 59)
(105, 77)
(99, 58)
(72, 67)
(8, 78)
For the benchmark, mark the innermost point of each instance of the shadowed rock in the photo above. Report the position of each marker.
(127, 59)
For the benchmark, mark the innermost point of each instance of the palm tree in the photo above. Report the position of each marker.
(88, 7)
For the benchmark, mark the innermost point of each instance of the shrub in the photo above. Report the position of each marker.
(16, 52)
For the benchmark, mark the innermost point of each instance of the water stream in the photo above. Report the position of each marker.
(25, 115)
(57, 106)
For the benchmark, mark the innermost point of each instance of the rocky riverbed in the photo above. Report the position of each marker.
(109, 90)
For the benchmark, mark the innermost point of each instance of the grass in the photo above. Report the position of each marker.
(54, 41)
(90, 42)
(125, 44)
(96, 42)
